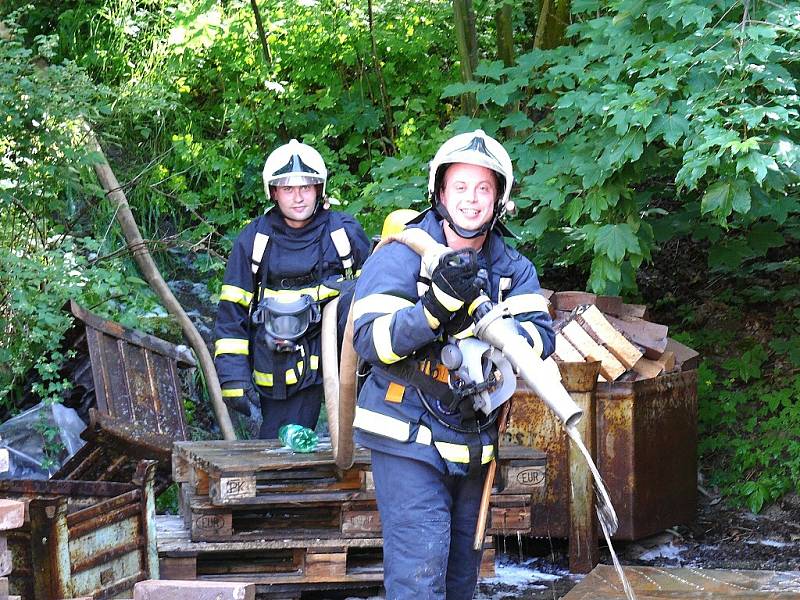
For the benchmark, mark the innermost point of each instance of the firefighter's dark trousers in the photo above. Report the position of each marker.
(428, 527)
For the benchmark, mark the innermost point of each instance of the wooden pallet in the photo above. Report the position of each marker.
(304, 520)
(509, 514)
(277, 565)
(264, 472)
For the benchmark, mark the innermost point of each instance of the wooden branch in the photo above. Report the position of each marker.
(151, 273)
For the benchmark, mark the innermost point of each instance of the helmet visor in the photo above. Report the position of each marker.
(296, 180)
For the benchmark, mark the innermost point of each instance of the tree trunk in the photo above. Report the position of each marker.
(376, 65)
(505, 34)
(467, 43)
(151, 273)
(552, 24)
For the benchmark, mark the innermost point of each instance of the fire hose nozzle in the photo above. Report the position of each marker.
(498, 328)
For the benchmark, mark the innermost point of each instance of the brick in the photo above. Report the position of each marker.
(12, 514)
(193, 590)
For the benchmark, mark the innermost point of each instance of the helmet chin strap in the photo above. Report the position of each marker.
(467, 234)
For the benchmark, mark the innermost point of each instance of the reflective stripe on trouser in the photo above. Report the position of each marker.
(427, 531)
(301, 407)
(390, 427)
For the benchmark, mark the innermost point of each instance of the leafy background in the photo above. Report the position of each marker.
(655, 146)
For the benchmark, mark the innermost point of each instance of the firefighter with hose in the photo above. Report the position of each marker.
(417, 408)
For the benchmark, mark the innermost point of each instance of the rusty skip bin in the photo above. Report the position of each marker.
(83, 538)
(646, 451)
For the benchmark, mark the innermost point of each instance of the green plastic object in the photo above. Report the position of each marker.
(298, 438)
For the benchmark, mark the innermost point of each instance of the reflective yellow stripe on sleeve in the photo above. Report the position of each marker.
(231, 346)
(380, 424)
(382, 338)
(379, 303)
(526, 303)
(536, 337)
(232, 393)
(459, 453)
(237, 295)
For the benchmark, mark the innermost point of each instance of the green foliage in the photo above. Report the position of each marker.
(749, 405)
(658, 117)
(45, 193)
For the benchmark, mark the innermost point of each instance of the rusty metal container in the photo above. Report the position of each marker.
(646, 449)
(83, 538)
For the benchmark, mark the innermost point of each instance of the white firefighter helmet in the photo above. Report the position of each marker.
(294, 164)
(473, 148)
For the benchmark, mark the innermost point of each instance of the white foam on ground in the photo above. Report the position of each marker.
(772, 543)
(668, 550)
(524, 574)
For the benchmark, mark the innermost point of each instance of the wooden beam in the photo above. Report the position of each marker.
(613, 340)
(610, 367)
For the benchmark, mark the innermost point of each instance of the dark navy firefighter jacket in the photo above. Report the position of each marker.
(390, 327)
(298, 261)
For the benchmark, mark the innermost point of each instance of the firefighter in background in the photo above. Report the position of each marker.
(429, 450)
(284, 265)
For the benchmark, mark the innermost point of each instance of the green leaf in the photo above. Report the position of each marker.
(671, 127)
(490, 70)
(717, 199)
(756, 163)
(518, 121)
(615, 240)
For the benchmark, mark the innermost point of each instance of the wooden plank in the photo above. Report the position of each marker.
(647, 369)
(510, 520)
(211, 527)
(667, 360)
(633, 310)
(360, 519)
(570, 300)
(565, 351)
(610, 367)
(232, 488)
(650, 336)
(612, 339)
(611, 305)
(685, 357)
(184, 567)
(324, 563)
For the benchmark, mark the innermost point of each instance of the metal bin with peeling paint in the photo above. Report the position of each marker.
(646, 434)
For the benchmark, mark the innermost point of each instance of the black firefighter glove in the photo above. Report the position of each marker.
(239, 395)
(454, 284)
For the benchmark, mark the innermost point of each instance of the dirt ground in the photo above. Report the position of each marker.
(718, 538)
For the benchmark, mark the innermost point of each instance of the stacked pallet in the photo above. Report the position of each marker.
(606, 329)
(256, 511)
